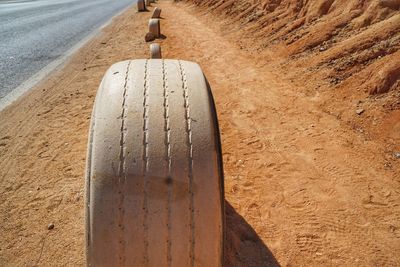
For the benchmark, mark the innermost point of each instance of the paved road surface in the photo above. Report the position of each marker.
(37, 32)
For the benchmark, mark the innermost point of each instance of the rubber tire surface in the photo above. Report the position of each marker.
(141, 6)
(155, 51)
(154, 178)
(156, 13)
(154, 27)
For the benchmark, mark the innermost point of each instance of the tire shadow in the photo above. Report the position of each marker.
(243, 247)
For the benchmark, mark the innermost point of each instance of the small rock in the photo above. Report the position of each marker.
(387, 165)
(396, 155)
(322, 49)
(149, 37)
(50, 226)
(360, 111)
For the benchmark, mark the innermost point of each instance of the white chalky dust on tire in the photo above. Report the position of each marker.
(154, 27)
(155, 51)
(154, 175)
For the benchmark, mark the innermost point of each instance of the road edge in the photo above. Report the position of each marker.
(55, 65)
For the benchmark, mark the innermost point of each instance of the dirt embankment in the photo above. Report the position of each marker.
(339, 38)
(345, 54)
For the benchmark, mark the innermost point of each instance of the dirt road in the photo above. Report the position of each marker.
(302, 188)
(31, 38)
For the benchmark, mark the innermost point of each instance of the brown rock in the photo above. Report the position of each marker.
(360, 111)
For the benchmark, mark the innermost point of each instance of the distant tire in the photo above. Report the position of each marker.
(155, 51)
(154, 27)
(156, 13)
(141, 5)
(154, 180)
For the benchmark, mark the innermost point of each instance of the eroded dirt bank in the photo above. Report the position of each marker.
(304, 187)
(338, 37)
(347, 50)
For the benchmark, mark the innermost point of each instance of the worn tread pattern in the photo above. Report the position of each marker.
(154, 185)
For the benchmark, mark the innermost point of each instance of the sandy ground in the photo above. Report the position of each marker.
(302, 187)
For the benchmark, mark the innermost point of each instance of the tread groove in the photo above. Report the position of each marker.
(145, 163)
(168, 159)
(190, 163)
(122, 173)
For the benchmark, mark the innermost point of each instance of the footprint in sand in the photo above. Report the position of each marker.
(4, 141)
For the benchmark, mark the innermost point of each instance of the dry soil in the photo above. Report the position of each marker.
(304, 185)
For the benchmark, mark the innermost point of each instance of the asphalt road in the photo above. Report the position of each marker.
(35, 33)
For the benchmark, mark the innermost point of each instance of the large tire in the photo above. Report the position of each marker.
(154, 185)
